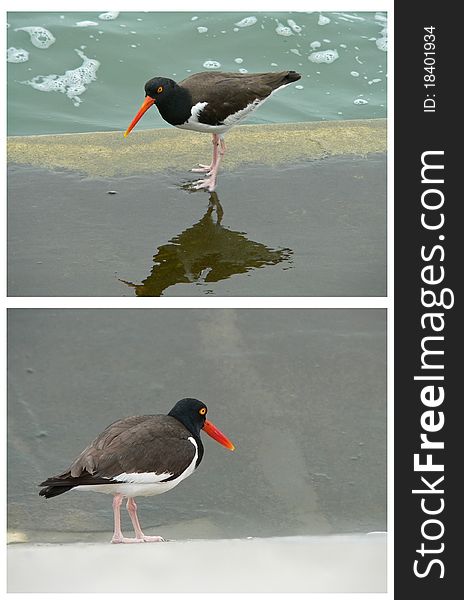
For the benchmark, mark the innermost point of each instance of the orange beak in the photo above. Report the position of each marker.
(143, 109)
(217, 435)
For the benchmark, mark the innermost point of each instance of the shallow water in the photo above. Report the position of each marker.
(301, 393)
(76, 71)
(266, 232)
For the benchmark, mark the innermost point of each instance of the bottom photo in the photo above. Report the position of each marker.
(197, 450)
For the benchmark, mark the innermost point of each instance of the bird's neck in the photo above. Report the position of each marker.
(177, 107)
(196, 436)
(200, 450)
(193, 431)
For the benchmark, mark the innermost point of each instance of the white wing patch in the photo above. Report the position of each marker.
(241, 114)
(142, 477)
(196, 110)
(193, 124)
(142, 484)
(232, 120)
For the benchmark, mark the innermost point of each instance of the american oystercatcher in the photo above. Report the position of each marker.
(139, 456)
(211, 102)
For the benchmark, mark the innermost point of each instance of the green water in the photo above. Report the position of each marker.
(91, 77)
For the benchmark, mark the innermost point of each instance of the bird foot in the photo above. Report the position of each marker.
(153, 538)
(209, 184)
(139, 540)
(124, 540)
(202, 169)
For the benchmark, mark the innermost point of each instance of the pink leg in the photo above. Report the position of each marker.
(207, 168)
(118, 538)
(210, 181)
(139, 535)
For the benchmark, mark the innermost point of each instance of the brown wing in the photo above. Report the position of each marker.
(227, 93)
(151, 443)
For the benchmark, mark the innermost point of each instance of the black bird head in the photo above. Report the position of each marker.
(157, 90)
(192, 414)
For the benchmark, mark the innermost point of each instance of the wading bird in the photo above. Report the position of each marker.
(211, 102)
(139, 456)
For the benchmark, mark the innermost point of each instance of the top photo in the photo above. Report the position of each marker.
(197, 154)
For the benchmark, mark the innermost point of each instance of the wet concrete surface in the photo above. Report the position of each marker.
(301, 393)
(315, 227)
(146, 152)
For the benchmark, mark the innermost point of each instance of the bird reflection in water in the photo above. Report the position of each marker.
(206, 253)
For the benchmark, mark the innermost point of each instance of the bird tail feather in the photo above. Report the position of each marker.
(291, 76)
(55, 490)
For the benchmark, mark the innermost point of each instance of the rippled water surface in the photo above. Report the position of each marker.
(82, 71)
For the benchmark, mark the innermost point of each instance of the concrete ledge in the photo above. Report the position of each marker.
(354, 563)
(109, 154)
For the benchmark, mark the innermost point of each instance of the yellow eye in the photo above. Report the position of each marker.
(159, 90)
(202, 411)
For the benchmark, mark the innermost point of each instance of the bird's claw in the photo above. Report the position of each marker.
(137, 540)
(201, 184)
(202, 169)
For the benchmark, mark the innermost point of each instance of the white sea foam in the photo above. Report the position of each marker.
(109, 16)
(349, 17)
(324, 56)
(283, 30)
(360, 101)
(86, 24)
(323, 20)
(238, 60)
(73, 83)
(40, 37)
(202, 29)
(295, 28)
(17, 55)
(381, 44)
(247, 22)
(354, 73)
(315, 44)
(212, 64)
